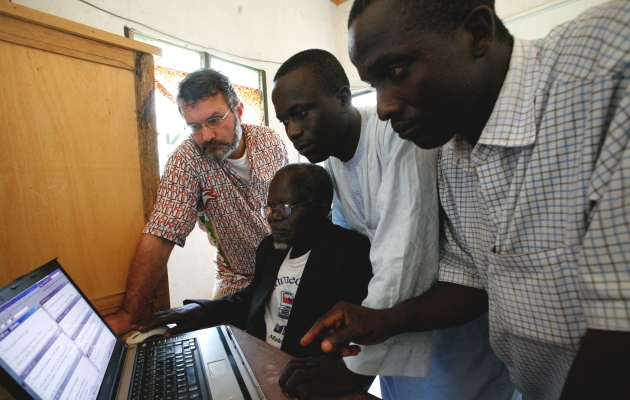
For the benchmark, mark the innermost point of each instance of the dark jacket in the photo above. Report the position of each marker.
(338, 268)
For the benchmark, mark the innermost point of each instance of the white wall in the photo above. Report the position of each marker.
(537, 22)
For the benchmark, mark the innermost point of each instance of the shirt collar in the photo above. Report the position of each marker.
(512, 122)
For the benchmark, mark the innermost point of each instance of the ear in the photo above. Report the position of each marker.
(324, 208)
(239, 111)
(345, 98)
(480, 26)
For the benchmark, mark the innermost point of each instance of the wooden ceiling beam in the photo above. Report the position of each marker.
(337, 2)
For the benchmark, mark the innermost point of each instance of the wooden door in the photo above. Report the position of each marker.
(78, 157)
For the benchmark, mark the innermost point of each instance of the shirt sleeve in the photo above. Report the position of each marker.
(456, 264)
(175, 210)
(282, 157)
(404, 252)
(604, 269)
(338, 218)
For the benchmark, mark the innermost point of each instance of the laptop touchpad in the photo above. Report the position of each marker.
(217, 367)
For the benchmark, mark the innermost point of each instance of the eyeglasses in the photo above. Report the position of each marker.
(284, 210)
(212, 122)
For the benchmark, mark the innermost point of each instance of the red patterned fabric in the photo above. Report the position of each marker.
(193, 187)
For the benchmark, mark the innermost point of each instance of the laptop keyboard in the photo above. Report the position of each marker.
(167, 369)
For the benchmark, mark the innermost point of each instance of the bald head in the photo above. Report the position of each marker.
(310, 182)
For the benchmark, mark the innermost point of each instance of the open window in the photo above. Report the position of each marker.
(364, 98)
(176, 62)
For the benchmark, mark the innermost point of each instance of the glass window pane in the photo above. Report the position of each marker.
(364, 99)
(246, 81)
(173, 56)
(238, 74)
(176, 62)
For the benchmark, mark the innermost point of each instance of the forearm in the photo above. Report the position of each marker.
(147, 266)
(601, 368)
(231, 309)
(445, 305)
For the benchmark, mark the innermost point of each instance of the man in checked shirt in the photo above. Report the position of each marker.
(534, 181)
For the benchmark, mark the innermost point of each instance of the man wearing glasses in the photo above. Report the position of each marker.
(327, 262)
(219, 177)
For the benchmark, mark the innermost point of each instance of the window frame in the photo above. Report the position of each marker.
(206, 62)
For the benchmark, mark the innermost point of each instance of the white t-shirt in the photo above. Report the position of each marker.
(279, 306)
(241, 167)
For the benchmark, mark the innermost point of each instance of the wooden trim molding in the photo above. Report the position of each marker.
(338, 2)
(149, 163)
(28, 34)
(63, 25)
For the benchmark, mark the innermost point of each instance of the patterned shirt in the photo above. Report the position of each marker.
(538, 209)
(192, 187)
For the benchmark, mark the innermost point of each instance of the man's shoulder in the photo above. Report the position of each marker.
(186, 159)
(185, 150)
(340, 236)
(263, 137)
(260, 132)
(596, 40)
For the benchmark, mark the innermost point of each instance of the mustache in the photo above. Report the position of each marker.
(214, 142)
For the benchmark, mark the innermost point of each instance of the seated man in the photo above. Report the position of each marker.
(333, 261)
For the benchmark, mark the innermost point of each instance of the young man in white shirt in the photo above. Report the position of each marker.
(386, 189)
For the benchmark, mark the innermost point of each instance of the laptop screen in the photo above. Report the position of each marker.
(53, 341)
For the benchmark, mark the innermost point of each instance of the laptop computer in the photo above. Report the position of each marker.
(54, 345)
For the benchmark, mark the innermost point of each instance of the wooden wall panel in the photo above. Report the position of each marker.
(69, 168)
(33, 35)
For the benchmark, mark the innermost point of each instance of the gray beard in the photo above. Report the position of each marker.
(280, 246)
(224, 152)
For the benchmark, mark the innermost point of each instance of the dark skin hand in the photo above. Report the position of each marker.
(303, 378)
(445, 305)
(601, 368)
(188, 318)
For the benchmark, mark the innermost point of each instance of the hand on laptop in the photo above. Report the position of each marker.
(188, 318)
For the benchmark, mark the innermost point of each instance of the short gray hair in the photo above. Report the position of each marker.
(314, 185)
(204, 83)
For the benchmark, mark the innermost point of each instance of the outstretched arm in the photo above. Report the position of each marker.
(147, 266)
(443, 306)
